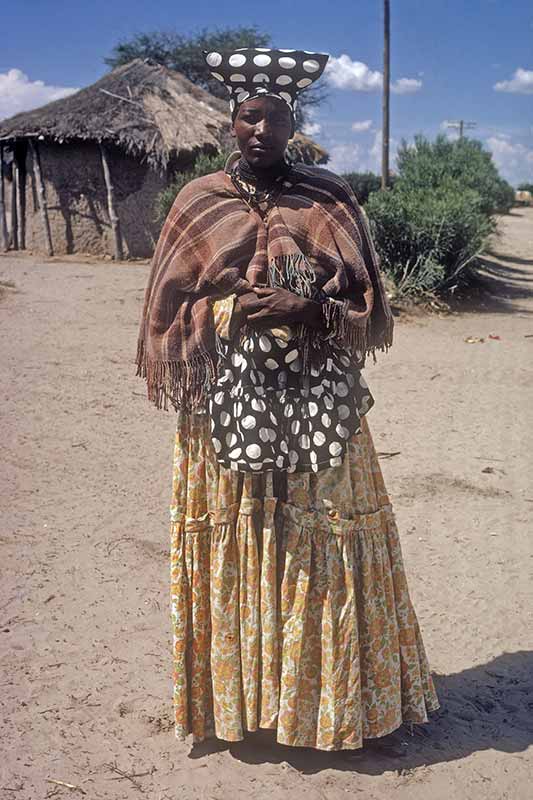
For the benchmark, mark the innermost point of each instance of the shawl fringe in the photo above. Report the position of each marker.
(292, 272)
(295, 273)
(354, 337)
(183, 384)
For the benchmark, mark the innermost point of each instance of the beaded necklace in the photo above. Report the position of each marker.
(261, 192)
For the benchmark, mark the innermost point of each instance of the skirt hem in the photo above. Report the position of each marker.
(287, 742)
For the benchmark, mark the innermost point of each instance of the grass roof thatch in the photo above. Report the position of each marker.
(146, 109)
(305, 150)
(149, 111)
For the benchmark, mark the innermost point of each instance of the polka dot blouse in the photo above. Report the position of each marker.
(267, 415)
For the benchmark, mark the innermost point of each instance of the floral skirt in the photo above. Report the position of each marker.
(290, 606)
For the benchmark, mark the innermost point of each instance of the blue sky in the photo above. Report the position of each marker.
(452, 53)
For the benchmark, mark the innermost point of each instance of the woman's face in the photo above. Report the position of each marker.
(263, 126)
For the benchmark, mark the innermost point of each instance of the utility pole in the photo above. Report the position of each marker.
(461, 125)
(385, 135)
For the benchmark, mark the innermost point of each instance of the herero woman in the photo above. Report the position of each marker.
(290, 606)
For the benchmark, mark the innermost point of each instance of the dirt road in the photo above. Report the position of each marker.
(85, 628)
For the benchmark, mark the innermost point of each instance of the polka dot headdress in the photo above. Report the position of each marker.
(253, 72)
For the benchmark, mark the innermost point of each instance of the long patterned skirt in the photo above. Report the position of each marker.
(290, 606)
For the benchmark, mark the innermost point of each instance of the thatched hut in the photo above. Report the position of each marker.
(81, 174)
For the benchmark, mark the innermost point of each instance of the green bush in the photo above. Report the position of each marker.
(363, 184)
(437, 218)
(428, 237)
(429, 165)
(203, 165)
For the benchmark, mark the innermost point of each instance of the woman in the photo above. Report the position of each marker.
(289, 600)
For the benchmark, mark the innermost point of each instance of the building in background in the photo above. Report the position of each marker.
(81, 174)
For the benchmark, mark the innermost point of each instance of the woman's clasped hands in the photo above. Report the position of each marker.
(267, 307)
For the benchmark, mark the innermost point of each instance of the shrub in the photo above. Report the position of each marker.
(203, 165)
(428, 165)
(362, 184)
(428, 237)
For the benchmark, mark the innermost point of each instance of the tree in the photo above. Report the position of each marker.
(363, 184)
(183, 52)
(465, 163)
(438, 215)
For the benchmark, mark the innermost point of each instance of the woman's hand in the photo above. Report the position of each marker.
(267, 307)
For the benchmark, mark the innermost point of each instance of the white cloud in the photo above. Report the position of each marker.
(312, 128)
(19, 93)
(375, 151)
(406, 86)
(451, 133)
(520, 83)
(343, 73)
(513, 159)
(362, 126)
(343, 157)
(352, 157)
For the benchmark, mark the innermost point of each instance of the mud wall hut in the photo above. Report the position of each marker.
(91, 164)
(81, 174)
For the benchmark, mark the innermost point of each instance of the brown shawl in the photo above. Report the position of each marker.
(213, 244)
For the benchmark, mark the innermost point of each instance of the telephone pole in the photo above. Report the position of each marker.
(385, 135)
(462, 125)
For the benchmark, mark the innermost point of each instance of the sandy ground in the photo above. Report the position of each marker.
(85, 628)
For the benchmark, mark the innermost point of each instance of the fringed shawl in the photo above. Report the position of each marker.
(314, 240)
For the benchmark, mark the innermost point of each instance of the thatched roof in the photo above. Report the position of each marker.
(145, 108)
(305, 150)
(149, 111)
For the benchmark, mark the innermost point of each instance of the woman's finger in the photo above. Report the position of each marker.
(251, 304)
(263, 315)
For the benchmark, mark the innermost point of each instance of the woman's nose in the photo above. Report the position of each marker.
(263, 128)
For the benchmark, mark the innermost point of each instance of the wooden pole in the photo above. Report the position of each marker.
(21, 199)
(113, 217)
(14, 221)
(4, 236)
(386, 96)
(43, 205)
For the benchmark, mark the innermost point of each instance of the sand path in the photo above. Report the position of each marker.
(85, 629)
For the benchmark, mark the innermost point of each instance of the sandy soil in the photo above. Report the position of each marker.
(85, 629)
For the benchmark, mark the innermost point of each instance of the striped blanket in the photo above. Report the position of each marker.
(314, 240)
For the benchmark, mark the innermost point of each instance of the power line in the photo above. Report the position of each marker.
(462, 125)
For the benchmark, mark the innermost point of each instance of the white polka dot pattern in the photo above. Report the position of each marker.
(311, 65)
(262, 61)
(249, 68)
(287, 63)
(213, 59)
(237, 60)
(264, 416)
